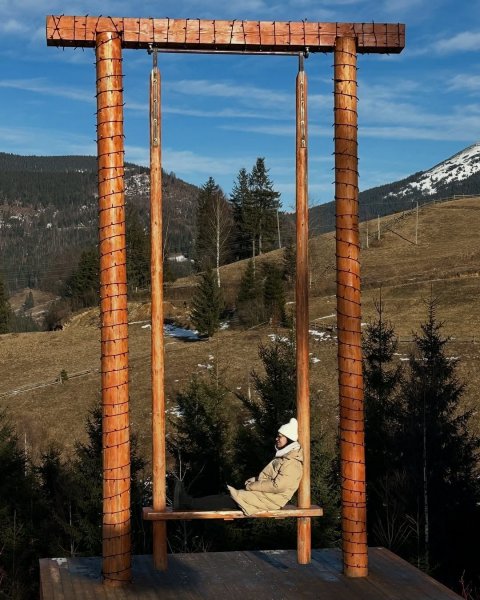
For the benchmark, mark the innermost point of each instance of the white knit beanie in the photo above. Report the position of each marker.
(290, 430)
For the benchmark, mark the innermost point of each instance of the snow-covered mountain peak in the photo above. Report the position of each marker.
(457, 168)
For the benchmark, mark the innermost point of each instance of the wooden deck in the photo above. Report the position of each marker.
(272, 575)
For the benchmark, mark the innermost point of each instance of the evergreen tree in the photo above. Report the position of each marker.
(21, 518)
(207, 305)
(289, 263)
(213, 228)
(200, 443)
(265, 202)
(255, 205)
(273, 404)
(29, 302)
(250, 308)
(57, 486)
(87, 484)
(240, 199)
(87, 470)
(83, 284)
(381, 380)
(138, 251)
(274, 295)
(5, 310)
(439, 455)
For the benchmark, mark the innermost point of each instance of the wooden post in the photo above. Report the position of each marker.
(158, 364)
(301, 303)
(113, 311)
(352, 435)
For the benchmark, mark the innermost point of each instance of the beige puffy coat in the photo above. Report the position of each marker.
(275, 485)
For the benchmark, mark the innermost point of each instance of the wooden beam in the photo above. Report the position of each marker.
(304, 537)
(158, 350)
(350, 377)
(149, 514)
(197, 35)
(113, 312)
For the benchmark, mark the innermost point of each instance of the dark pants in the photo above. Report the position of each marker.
(215, 502)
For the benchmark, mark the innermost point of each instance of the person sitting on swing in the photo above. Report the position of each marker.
(271, 490)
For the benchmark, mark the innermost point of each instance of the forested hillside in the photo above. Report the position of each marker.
(48, 215)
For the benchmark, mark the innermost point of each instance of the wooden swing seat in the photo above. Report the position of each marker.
(230, 515)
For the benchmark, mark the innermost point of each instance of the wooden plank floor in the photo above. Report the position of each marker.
(262, 575)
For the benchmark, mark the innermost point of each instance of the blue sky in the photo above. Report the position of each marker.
(221, 112)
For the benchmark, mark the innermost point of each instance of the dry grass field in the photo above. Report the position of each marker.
(446, 262)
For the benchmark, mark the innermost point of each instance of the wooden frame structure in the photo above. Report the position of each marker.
(108, 36)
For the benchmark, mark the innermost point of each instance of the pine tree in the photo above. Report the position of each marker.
(265, 202)
(29, 302)
(274, 295)
(289, 263)
(382, 379)
(250, 307)
(5, 310)
(83, 284)
(87, 484)
(200, 442)
(439, 454)
(273, 403)
(207, 305)
(255, 205)
(138, 251)
(242, 236)
(213, 228)
(57, 486)
(21, 518)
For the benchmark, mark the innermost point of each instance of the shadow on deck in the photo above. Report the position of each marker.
(261, 575)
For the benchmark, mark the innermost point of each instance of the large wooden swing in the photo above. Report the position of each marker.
(108, 36)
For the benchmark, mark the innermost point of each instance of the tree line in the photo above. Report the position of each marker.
(422, 466)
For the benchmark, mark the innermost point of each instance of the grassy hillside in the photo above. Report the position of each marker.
(446, 261)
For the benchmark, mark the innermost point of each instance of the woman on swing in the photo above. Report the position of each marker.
(271, 490)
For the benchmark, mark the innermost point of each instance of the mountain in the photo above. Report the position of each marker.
(456, 176)
(49, 214)
(48, 209)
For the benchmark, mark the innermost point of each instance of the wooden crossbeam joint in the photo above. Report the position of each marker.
(198, 35)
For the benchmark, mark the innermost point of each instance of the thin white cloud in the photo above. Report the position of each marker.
(421, 133)
(465, 41)
(241, 93)
(225, 113)
(13, 26)
(41, 86)
(470, 83)
(185, 161)
(41, 142)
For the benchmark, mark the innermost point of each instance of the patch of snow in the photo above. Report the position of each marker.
(315, 360)
(278, 338)
(175, 411)
(320, 336)
(326, 317)
(180, 332)
(179, 258)
(205, 366)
